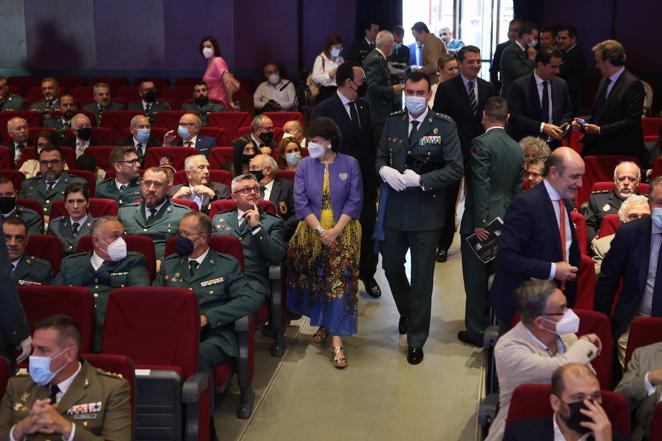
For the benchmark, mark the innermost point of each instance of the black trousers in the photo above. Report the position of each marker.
(447, 233)
(368, 262)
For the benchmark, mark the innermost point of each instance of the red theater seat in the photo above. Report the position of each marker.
(98, 207)
(169, 119)
(45, 247)
(220, 176)
(31, 153)
(610, 186)
(187, 81)
(35, 132)
(656, 424)
(159, 82)
(32, 205)
(593, 322)
(4, 375)
(6, 160)
(188, 203)
(156, 133)
(221, 158)
(230, 121)
(580, 228)
(101, 135)
(83, 94)
(100, 154)
(599, 169)
(657, 168)
(286, 174)
(280, 118)
(643, 331)
(609, 225)
(30, 116)
(215, 132)
(16, 176)
(89, 176)
(116, 364)
(114, 82)
(68, 82)
(118, 120)
(651, 126)
(174, 155)
(178, 93)
(585, 283)
(134, 243)
(24, 81)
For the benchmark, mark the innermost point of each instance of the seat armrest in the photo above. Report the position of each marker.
(242, 324)
(194, 386)
(490, 336)
(274, 272)
(197, 407)
(487, 410)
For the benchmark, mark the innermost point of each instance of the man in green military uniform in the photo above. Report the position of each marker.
(627, 176)
(156, 217)
(201, 105)
(261, 233)
(125, 186)
(102, 102)
(62, 122)
(418, 156)
(77, 222)
(64, 397)
(50, 90)
(9, 101)
(107, 267)
(148, 101)
(26, 270)
(50, 184)
(495, 178)
(9, 208)
(223, 292)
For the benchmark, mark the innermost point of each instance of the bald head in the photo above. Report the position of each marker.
(626, 178)
(80, 120)
(564, 172)
(572, 381)
(18, 130)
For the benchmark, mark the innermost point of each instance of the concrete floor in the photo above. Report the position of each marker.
(379, 396)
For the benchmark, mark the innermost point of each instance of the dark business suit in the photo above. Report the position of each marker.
(282, 197)
(202, 144)
(400, 55)
(452, 99)
(515, 63)
(380, 91)
(221, 191)
(495, 67)
(358, 143)
(619, 119)
(359, 50)
(572, 71)
(11, 145)
(526, 112)
(627, 260)
(523, 430)
(529, 244)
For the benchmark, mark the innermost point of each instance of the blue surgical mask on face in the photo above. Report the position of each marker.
(40, 368)
(415, 104)
(315, 150)
(657, 216)
(293, 158)
(142, 135)
(335, 51)
(183, 132)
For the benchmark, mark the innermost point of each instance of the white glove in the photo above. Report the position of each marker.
(412, 179)
(393, 178)
(25, 346)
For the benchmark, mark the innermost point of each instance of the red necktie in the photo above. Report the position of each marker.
(562, 214)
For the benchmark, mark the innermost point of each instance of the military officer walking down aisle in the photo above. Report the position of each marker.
(418, 156)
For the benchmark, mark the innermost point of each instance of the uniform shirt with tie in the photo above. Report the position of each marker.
(646, 306)
(241, 219)
(75, 224)
(198, 261)
(541, 85)
(51, 184)
(556, 198)
(191, 142)
(140, 147)
(14, 264)
(149, 212)
(350, 108)
(147, 106)
(120, 186)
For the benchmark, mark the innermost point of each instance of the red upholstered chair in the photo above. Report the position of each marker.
(531, 401)
(599, 169)
(178, 93)
(30, 116)
(128, 93)
(609, 225)
(230, 121)
(610, 186)
(100, 154)
(4, 375)
(188, 203)
(24, 81)
(34, 93)
(657, 167)
(221, 158)
(175, 155)
(575, 141)
(656, 424)
(169, 119)
(159, 329)
(36, 131)
(16, 176)
(32, 205)
(643, 331)
(593, 322)
(45, 247)
(159, 82)
(118, 120)
(67, 153)
(89, 176)
(98, 207)
(156, 133)
(6, 161)
(83, 94)
(278, 135)
(286, 174)
(280, 118)
(116, 364)
(220, 176)
(580, 228)
(40, 302)
(102, 135)
(217, 133)
(68, 82)
(651, 126)
(114, 82)
(135, 243)
(585, 283)
(188, 82)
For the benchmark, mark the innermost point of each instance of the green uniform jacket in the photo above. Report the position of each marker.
(98, 113)
(162, 228)
(380, 90)
(43, 107)
(12, 102)
(495, 178)
(223, 293)
(266, 247)
(32, 271)
(57, 124)
(35, 188)
(157, 106)
(31, 218)
(61, 228)
(97, 402)
(600, 204)
(416, 208)
(204, 110)
(107, 189)
(77, 270)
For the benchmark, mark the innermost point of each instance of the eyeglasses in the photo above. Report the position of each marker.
(248, 190)
(46, 163)
(129, 161)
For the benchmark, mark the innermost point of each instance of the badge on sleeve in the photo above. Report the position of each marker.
(606, 208)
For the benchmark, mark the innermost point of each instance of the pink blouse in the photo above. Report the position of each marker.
(214, 78)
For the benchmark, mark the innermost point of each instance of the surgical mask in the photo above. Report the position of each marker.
(207, 52)
(415, 104)
(142, 135)
(183, 132)
(315, 150)
(7, 204)
(202, 100)
(116, 249)
(267, 137)
(397, 46)
(184, 246)
(274, 78)
(335, 51)
(574, 420)
(657, 216)
(533, 43)
(259, 174)
(150, 95)
(569, 323)
(40, 368)
(293, 158)
(362, 89)
(68, 114)
(84, 133)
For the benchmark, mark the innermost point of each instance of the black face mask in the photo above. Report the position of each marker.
(183, 246)
(202, 100)
(150, 95)
(245, 159)
(576, 417)
(267, 137)
(68, 114)
(85, 133)
(259, 174)
(362, 90)
(7, 204)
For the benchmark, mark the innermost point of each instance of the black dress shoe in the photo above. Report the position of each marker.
(402, 325)
(414, 355)
(372, 288)
(442, 255)
(463, 336)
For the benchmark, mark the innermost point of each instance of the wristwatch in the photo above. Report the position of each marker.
(319, 229)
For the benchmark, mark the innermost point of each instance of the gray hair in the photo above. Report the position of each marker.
(269, 161)
(101, 86)
(235, 182)
(628, 203)
(540, 148)
(532, 296)
(259, 121)
(77, 117)
(188, 162)
(630, 163)
(15, 119)
(134, 120)
(383, 39)
(103, 220)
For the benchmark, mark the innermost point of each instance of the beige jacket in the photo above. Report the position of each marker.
(600, 249)
(433, 48)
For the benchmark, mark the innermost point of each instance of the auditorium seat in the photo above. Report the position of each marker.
(575, 141)
(286, 174)
(230, 121)
(580, 228)
(98, 207)
(175, 156)
(657, 167)
(6, 160)
(35, 132)
(134, 243)
(599, 168)
(531, 401)
(34, 94)
(280, 118)
(45, 247)
(278, 133)
(120, 365)
(4, 375)
(32, 205)
(68, 82)
(651, 126)
(221, 158)
(156, 133)
(585, 283)
(188, 203)
(129, 93)
(16, 176)
(40, 302)
(30, 152)
(593, 322)
(30, 116)
(159, 81)
(656, 424)
(102, 135)
(220, 176)
(643, 331)
(609, 225)
(178, 93)
(89, 176)
(100, 154)
(118, 120)
(216, 133)
(24, 81)
(169, 119)
(83, 95)
(114, 82)
(187, 82)
(610, 186)
(159, 329)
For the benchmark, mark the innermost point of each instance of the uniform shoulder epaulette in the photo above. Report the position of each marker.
(399, 112)
(71, 256)
(22, 373)
(178, 205)
(106, 181)
(600, 191)
(110, 374)
(442, 116)
(37, 260)
(131, 204)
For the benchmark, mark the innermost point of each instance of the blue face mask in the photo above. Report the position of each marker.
(183, 132)
(40, 368)
(293, 158)
(657, 216)
(142, 135)
(415, 104)
(335, 51)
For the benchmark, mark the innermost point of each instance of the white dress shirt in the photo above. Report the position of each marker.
(191, 142)
(322, 67)
(555, 197)
(200, 258)
(420, 118)
(283, 93)
(558, 435)
(81, 146)
(267, 190)
(96, 261)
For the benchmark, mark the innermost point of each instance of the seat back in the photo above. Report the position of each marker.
(154, 156)
(599, 168)
(6, 161)
(221, 244)
(114, 82)
(45, 247)
(286, 174)
(16, 176)
(229, 205)
(651, 126)
(117, 120)
(134, 243)
(156, 134)
(100, 154)
(643, 331)
(159, 82)
(215, 132)
(98, 207)
(89, 176)
(593, 322)
(68, 155)
(32, 205)
(280, 118)
(609, 224)
(230, 121)
(40, 302)
(187, 81)
(188, 203)
(585, 283)
(154, 326)
(178, 93)
(221, 158)
(116, 364)
(30, 116)
(531, 401)
(610, 186)
(656, 424)
(4, 375)
(580, 228)
(169, 118)
(220, 176)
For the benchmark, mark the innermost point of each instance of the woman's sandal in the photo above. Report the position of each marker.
(320, 336)
(339, 362)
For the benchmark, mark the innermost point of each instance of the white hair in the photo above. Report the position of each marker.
(628, 203)
(383, 38)
(77, 117)
(235, 182)
(268, 161)
(630, 163)
(188, 162)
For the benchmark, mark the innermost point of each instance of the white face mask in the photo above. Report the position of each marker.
(274, 78)
(116, 249)
(657, 216)
(533, 43)
(207, 52)
(315, 150)
(569, 323)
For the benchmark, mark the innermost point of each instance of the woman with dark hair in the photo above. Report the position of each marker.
(45, 139)
(323, 255)
(220, 82)
(325, 66)
(289, 154)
